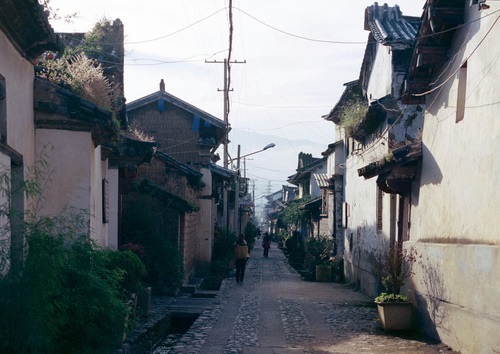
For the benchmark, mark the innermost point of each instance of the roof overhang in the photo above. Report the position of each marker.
(312, 204)
(170, 199)
(128, 152)
(377, 113)
(395, 174)
(27, 27)
(439, 22)
(222, 172)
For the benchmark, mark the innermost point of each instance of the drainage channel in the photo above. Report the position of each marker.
(180, 322)
(183, 313)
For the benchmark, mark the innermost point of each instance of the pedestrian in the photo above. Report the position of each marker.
(241, 254)
(266, 244)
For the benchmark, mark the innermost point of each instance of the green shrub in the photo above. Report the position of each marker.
(64, 298)
(134, 270)
(318, 250)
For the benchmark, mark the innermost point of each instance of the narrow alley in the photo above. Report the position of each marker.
(275, 311)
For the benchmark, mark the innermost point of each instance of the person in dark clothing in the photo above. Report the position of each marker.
(266, 244)
(241, 255)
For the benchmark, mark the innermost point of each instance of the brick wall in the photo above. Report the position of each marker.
(172, 129)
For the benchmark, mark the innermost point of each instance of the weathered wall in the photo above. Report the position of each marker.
(455, 211)
(69, 183)
(457, 291)
(76, 187)
(19, 80)
(363, 243)
(381, 75)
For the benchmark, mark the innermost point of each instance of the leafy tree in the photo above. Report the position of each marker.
(292, 215)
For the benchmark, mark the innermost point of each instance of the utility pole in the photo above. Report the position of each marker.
(226, 89)
(237, 216)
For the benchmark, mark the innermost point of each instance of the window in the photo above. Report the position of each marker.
(461, 94)
(379, 207)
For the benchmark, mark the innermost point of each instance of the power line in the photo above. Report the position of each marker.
(178, 31)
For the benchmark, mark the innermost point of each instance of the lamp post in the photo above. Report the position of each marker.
(237, 217)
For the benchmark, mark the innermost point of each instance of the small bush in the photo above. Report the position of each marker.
(64, 298)
(318, 251)
(134, 270)
(352, 115)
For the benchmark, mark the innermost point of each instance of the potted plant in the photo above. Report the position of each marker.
(395, 267)
(318, 251)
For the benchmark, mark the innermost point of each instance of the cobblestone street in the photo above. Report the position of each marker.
(277, 312)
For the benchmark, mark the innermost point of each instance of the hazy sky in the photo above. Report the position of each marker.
(298, 56)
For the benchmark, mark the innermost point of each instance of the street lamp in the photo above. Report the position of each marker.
(237, 217)
(268, 146)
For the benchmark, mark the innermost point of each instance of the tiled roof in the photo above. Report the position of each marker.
(188, 171)
(163, 95)
(27, 27)
(352, 90)
(221, 171)
(388, 24)
(321, 179)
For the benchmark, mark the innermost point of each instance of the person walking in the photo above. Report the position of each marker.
(241, 254)
(266, 244)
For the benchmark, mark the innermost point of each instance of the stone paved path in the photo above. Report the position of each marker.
(277, 312)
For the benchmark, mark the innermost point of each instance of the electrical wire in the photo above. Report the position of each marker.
(177, 31)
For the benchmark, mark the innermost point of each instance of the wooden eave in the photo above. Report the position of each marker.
(184, 169)
(169, 199)
(128, 152)
(27, 27)
(351, 91)
(312, 204)
(437, 29)
(193, 176)
(400, 157)
(332, 148)
(58, 108)
(374, 117)
(223, 173)
(304, 173)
